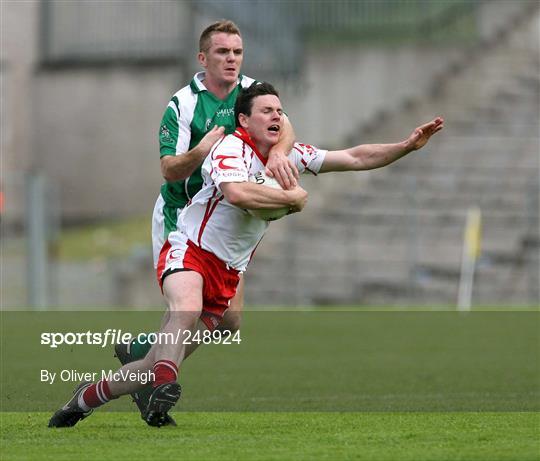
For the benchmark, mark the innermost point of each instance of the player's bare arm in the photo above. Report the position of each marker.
(252, 196)
(370, 156)
(279, 166)
(176, 168)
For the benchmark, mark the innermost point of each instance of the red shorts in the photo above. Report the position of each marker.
(219, 281)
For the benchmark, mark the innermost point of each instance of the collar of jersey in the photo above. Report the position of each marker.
(197, 84)
(244, 136)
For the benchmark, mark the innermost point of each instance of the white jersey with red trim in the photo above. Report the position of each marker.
(214, 224)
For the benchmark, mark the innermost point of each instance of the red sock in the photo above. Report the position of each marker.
(96, 395)
(165, 371)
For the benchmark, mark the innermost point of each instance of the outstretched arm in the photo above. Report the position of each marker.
(370, 156)
(279, 166)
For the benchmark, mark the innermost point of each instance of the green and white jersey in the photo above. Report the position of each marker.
(190, 114)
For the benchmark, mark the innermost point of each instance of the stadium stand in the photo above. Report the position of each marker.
(395, 236)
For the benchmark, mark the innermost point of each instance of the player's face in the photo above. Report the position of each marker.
(265, 122)
(223, 59)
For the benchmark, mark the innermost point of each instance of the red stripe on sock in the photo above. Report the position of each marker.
(97, 394)
(165, 371)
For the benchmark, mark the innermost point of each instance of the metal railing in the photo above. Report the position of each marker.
(274, 32)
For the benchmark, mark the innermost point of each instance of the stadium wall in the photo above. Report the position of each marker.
(343, 87)
(100, 142)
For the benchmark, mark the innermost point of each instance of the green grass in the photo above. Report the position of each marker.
(302, 385)
(278, 436)
(304, 361)
(104, 240)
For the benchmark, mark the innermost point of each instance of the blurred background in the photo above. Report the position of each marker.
(84, 85)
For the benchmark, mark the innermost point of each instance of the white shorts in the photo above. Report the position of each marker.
(164, 221)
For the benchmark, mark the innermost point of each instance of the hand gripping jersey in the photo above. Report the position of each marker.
(190, 114)
(214, 224)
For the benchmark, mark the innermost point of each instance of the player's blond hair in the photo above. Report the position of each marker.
(223, 25)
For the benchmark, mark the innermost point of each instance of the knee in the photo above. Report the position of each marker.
(182, 318)
(178, 303)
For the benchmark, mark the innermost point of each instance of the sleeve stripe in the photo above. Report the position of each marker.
(174, 108)
(174, 100)
(302, 153)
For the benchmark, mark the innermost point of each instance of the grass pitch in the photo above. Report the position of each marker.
(278, 436)
(302, 385)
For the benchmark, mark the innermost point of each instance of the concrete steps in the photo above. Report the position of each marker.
(395, 235)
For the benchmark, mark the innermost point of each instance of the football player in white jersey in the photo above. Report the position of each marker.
(197, 116)
(200, 264)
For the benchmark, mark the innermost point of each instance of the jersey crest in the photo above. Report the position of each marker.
(222, 164)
